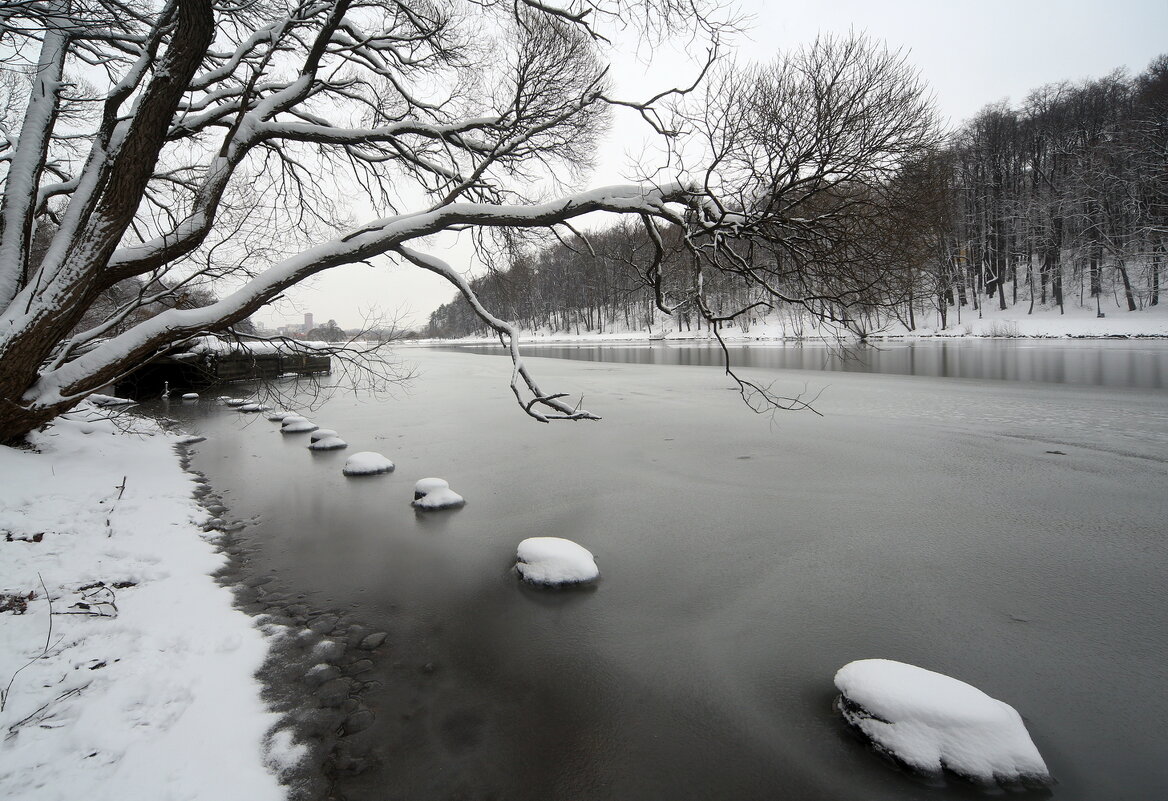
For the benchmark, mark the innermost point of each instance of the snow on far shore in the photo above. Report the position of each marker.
(144, 687)
(990, 322)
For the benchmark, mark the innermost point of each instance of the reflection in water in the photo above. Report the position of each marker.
(1103, 363)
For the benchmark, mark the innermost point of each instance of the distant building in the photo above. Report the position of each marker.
(297, 330)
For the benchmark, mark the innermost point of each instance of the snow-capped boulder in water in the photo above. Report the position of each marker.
(190, 396)
(297, 425)
(252, 408)
(930, 722)
(278, 415)
(555, 561)
(235, 401)
(327, 443)
(321, 433)
(367, 463)
(432, 494)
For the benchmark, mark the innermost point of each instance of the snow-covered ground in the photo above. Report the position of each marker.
(1047, 322)
(126, 671)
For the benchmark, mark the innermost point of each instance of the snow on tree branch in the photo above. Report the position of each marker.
(214, 146)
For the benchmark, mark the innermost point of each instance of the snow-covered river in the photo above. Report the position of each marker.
(1009, 534)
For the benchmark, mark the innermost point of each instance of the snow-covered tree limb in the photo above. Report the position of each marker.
(201, 145)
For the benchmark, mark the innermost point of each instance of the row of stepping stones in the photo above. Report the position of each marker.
(546, 561)
(430, 494)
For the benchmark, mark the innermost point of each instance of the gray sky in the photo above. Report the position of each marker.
(972, 54)
(975, 53)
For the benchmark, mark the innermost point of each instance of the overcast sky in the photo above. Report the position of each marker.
(972, 54)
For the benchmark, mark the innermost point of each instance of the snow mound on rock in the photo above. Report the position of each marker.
(555, 561)
(190, 396)
(279, 415)
(321, 433)
(367, 463)
(252, 407)
(235, 401)
(98, 399)
(297, 426)
(931, 722)
(424, 486)
(431, 494)
(327, 444)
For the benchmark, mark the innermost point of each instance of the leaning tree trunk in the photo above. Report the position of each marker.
(43, 313)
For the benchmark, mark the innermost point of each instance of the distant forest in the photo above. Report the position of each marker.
(1059, 201)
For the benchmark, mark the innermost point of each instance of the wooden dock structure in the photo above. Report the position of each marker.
(191, 370)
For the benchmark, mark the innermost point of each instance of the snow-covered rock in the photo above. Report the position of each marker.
(279, 415)
(555, 561)
(431, 494)
(427, 485)
(235, 401)
(367, 463)
(321, 433)
(190, 396)
(327, 444)
(932, 722)
(252, 407)
(297, 426)
(109, 400)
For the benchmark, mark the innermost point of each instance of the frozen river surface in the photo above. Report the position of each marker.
(1008, 534)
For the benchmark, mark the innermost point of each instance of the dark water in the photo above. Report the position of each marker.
(1119, 363)
(743, 562)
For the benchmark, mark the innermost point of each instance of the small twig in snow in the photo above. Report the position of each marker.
(109, 529)
(44, 652)
(15, 726)
(49, 601)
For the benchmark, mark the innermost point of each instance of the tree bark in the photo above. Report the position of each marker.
(1127, 287)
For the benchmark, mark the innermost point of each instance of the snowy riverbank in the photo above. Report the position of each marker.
(126, 671)
(989, 322)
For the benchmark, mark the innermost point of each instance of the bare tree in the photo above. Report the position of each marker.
(203, 142)
(801, 157)
(1072, 183)
(196, 141)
